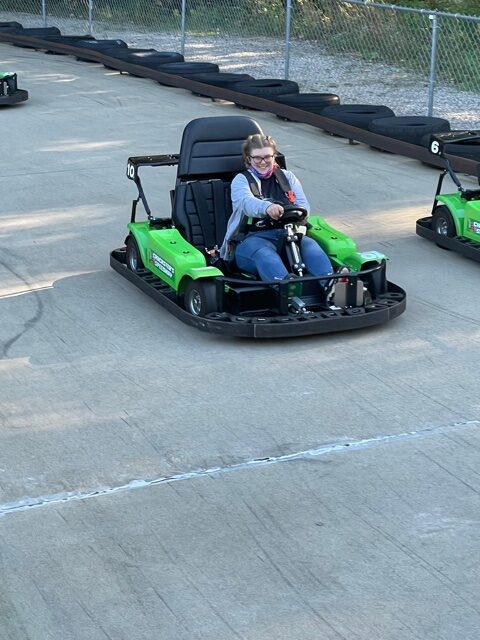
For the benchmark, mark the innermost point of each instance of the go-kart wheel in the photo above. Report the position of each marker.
(442, 222)
(134, 259)
(201, 297)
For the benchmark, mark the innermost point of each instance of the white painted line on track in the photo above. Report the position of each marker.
(26, 504)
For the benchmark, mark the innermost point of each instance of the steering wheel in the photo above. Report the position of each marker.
(292, 214)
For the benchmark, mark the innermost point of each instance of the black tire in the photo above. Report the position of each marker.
(313, 102)
(222, 79)
(41, 31)
(133, 258)
(149, 58)
(409, 128)
(122, 53)
(70, 40)
(101, 45)
(442, 222)
(11, 26)
(266, 88)
(187, 69)
(357, 115)
(200, 297)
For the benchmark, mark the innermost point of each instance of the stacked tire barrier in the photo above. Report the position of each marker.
(374, 125)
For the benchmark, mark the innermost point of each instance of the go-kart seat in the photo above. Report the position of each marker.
(210, 156)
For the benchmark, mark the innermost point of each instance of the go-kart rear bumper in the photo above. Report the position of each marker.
(386, 307)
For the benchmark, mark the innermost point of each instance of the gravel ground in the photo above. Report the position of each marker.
(355, 81)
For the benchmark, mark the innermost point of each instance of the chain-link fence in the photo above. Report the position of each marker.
(415, 61)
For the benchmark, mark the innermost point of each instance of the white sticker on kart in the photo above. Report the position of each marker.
(435, 147)
(163, 266)
(474, 227)
(131, 171)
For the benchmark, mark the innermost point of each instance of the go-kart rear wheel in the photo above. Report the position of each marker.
(442, 222)
(134, 259)
(201, 297)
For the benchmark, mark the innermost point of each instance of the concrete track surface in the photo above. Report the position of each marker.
(158, 483)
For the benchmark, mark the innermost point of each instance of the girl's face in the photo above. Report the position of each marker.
(262, 159)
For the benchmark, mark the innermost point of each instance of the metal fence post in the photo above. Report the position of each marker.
(182, 35)
(90, 17)
(288, 25)
(433, 60)
(44, 12)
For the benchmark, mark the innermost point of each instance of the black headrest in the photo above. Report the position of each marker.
(212, 147)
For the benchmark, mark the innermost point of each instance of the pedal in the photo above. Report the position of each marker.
(297, 305)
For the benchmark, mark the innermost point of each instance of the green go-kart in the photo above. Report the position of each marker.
(454, 222)
(174, 259)
(9, 91)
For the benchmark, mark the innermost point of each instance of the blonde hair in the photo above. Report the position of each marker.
(257, 141)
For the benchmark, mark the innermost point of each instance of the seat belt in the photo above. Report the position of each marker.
(219, 210)
(280, 177)
(202, 210)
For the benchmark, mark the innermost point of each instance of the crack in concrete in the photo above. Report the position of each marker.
(70, 496)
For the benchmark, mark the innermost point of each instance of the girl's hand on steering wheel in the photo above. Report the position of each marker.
(275, 211)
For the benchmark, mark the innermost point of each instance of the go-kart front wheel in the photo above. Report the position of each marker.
(134, 259)
(200, 297)
(442, 222)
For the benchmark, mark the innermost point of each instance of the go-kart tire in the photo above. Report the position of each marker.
(408, 128)
(266, 87)
(357, 115)
(442, 223)
(200, 297)
(133, 258)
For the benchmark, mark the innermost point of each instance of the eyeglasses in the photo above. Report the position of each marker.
(259, 159)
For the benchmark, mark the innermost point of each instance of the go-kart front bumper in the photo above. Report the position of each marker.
(459, 244)
(385, 307)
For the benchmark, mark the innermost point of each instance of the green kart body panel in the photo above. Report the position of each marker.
(339, 247)
(465, 214)
(169, 256)
(174, 260)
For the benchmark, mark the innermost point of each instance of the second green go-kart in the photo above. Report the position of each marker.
(454, 222)
(174, 258)
(9, 91)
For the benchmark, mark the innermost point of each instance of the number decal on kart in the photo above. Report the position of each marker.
(131, 173)
(435, 147)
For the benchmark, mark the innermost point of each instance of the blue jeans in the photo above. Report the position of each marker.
(258, 254)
